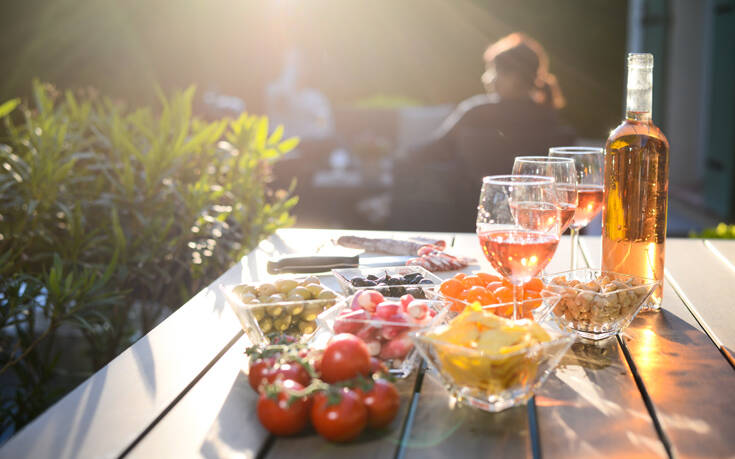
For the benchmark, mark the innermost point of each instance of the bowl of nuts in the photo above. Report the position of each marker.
(596, 304)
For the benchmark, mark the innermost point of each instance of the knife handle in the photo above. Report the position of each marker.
(312, 264)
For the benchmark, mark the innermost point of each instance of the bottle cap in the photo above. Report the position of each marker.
(640, 60)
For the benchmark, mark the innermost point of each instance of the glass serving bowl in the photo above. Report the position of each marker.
(536, 308)
(492, 381)
(387, 340)
(596, 304)
(429, 282)
(288, 305)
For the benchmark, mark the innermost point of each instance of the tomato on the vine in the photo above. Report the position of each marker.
(289, 370)
(281, 413)
(382, 402)
(339, 416)
(259, 370)
(345, 357)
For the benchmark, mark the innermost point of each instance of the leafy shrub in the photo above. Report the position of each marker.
(721, 231)
(111, 217)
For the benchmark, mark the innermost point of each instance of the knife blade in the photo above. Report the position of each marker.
(321, 263)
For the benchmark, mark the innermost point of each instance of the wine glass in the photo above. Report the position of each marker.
(518, 225)
(589, 163)
(564, 174)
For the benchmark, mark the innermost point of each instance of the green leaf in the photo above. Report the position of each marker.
(276, 136)
(8, 106)
(288, 144)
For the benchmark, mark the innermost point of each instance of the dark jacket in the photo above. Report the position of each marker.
(438, 183)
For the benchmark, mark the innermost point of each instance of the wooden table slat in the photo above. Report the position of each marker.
(688, 380)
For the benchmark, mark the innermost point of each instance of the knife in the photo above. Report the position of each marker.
(321, 263)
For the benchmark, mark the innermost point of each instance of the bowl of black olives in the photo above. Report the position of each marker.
(394, 281)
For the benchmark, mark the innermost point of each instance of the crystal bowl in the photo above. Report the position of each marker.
(492, 381)
(387, 340)
(596, 304)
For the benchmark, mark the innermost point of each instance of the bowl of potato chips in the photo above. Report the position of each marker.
(490, 362)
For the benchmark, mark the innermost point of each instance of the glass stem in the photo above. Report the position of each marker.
(516, 290)
(574, 234)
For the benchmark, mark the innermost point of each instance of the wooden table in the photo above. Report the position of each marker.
(663, 388)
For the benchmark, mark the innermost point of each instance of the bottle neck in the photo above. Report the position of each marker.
(639, 100)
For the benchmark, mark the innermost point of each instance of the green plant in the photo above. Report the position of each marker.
(721, 231)
(111, 217)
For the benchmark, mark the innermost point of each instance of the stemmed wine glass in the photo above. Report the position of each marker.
(589, 163)
(518, 225)
(564, 174)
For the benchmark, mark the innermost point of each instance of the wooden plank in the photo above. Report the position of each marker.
(711, 294)
(442, 430)
(688, 381)
(370, 444)
(216, 418)
(590, 406)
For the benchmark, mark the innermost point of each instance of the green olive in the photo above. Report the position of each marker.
(310, 280)
(312, 309)
(243, 289)
(282, 323)
(327, 295)
(274, 311)
(266, 326)
(315, 289)
(258, 313)
(285, 285)
(248, 298)
(307, 327)
(266, 290)
(296, 309)
(302, 292)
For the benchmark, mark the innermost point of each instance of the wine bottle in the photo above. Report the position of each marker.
(636, 185)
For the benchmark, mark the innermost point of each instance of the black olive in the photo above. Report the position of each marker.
(426, 281)
(370, 283)
(372, 277)
(417, 293)
(397, 291)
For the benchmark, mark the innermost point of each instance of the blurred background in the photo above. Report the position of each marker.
(362, 82)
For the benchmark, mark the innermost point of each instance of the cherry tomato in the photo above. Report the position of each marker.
(460, 276)
(291, 370)
(376, 366)
(259, 370)
(487, 278)
(534, 284)
(339, 420)
(345, 357)
(479, 294)
(382, 403)
(282, 415)
(451, 288)
(472, 280)
(492, 286)
(504, 294)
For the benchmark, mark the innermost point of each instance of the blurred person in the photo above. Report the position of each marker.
(518, 115)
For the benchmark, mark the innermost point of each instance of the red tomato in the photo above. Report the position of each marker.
(345, 357)
(479, 294)
(282, 416)
(291, 370)
(487, 278)
(259, 370)
(341, 420)
(382, 403)
(376, 366)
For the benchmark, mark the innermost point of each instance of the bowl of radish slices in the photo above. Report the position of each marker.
(384, 324)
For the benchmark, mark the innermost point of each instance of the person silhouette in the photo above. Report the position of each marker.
(518, 115)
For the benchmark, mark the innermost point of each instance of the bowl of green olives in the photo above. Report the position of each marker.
(280, 306)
